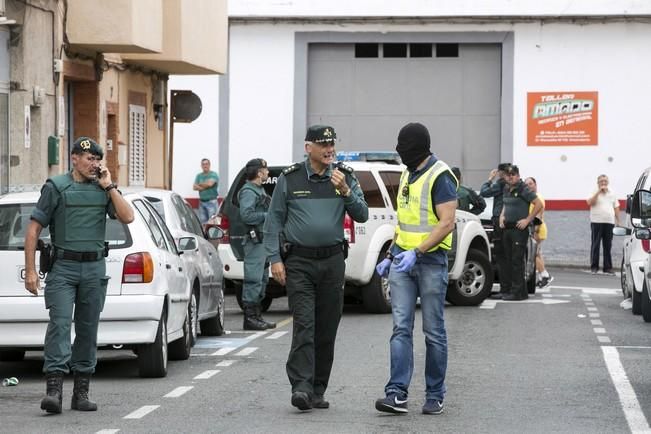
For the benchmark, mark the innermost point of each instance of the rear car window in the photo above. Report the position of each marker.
(371, 190)
(14, 219)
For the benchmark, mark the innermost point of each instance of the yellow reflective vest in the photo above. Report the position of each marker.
(416, 217)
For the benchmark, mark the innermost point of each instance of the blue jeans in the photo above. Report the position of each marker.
(430, 283)
(207, 210)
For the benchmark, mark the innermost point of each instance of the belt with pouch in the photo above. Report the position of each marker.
(71, 255)
(317, 252)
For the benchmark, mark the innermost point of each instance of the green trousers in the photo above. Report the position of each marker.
(78, 287)
(512, 274)
(315, 288)
(256, 273)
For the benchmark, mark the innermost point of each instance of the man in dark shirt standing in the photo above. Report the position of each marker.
(515, 219)
(307, 211)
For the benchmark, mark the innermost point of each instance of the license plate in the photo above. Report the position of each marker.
(21, 274)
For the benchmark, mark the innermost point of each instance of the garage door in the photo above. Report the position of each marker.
(369, 91)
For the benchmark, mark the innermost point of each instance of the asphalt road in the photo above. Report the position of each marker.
(569, 359)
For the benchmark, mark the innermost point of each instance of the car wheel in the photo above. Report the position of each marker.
(214, 326)
(646, 303)
(180, 349)
(475, 283)
(264, 304)
(152, 358)
(622, 279)
(636, 298)
(12, 355)
(376, 294)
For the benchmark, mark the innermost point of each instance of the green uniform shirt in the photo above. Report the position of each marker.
(254, 203)
(308, 211)
(470, 201)
(516, 202)
(208, 193)
(494, 190)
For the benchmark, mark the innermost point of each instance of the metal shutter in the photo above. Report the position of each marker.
(137, 122)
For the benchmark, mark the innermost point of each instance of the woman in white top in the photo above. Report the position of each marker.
(604, 215)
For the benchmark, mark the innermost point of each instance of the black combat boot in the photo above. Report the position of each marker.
(80, 399)
(251, 321)
(258, 315)
(54, 392)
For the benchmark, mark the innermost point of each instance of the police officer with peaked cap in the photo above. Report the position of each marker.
(254, 203)
(307, 212)
(74, 205)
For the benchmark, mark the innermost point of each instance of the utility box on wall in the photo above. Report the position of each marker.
(52, 150)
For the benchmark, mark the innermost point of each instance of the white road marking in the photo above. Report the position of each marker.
(593, 315)
(246, 351)
(596, 322)
(256, 335)
(276, 335)
(630, 405)
(490, 304)
(207, 374)
(179, 391)
(141, 412)
(603, 339)
(633, 347)
(598, 291)
(225, 363)
(223, 351)
(555, 295)
(599, 330)
(593, 309)
(107, 431)
(589, 303)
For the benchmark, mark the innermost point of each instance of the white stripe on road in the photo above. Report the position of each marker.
(603, 339)
(276, 335)
(223, 351)
(599, 291)
(181, 390)
(207, 374)
(632, 347)
(107, 431)
(634, 415)
(225, 363)
(141, 412)
(593, 315)
(596, 322)
(593, 309)
(256, 335)
(599, 330)
(246, 351)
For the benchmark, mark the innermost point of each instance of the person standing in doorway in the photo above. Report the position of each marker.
(74, 205)
(254, 203)
(206, 183)
(417, 266)
(604, 215)
(306, 218)
(543, 278)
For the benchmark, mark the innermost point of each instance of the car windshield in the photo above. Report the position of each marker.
(14, 219)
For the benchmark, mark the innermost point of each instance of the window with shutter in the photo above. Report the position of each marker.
(137, 119)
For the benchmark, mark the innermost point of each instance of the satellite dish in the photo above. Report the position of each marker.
(185, 107)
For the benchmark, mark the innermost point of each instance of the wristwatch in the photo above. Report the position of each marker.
(110, 187)
(419, 254)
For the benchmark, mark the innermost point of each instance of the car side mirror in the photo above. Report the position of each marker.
(215, 233)
(187, 243)
(621, 231)
(641, 209)
(643, 233)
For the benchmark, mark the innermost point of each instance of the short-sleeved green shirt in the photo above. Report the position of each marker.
(208, 193)
(516, 202)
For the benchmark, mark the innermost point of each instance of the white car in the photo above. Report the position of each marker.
(201, 259)
(635, 250)
(147, 303)
(641, 220)
(470, 275)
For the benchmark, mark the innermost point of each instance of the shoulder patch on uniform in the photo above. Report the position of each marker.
(294, 167)
(344, 168)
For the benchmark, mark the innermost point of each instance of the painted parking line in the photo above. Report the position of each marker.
(603, 339)
(630, 405)
(225, 363)
(596, 291)
(276, 335)
(246, 351)
(141, 412)
(223, 351)
(107, 431)
(207, 374)
(179, 391)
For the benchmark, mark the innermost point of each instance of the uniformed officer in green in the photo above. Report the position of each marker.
(74, 206)
(469, 200)
(515, 221)
(307, 212)
(254, 203)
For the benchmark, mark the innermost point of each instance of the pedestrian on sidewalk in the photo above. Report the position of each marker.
(254, 203)
(417, 266)
(604, 215)
(543, 278)
(307, 214)
(206, 183)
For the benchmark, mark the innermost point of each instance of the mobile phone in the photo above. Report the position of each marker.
(98, 171)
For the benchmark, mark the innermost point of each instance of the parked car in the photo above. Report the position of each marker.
(530, 253)
(641, 220)
(470, 276)
(635, 250)
(202, 263)
(147, 306)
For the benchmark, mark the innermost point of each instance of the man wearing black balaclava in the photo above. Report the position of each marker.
(417, 265)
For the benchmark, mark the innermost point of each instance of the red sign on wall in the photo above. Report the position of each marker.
(562, 119)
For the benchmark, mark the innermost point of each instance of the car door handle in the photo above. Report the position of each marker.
(168, 266)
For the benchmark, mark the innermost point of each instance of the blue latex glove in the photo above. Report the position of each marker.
(383, 267)
(406, 261)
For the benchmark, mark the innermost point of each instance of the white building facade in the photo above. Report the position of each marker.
(558, 87)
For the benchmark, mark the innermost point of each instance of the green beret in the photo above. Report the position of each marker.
(320, 134)
(86, 144)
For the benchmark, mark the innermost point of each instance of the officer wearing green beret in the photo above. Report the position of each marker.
(254, 203)
(74, 206)
(307, 212)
